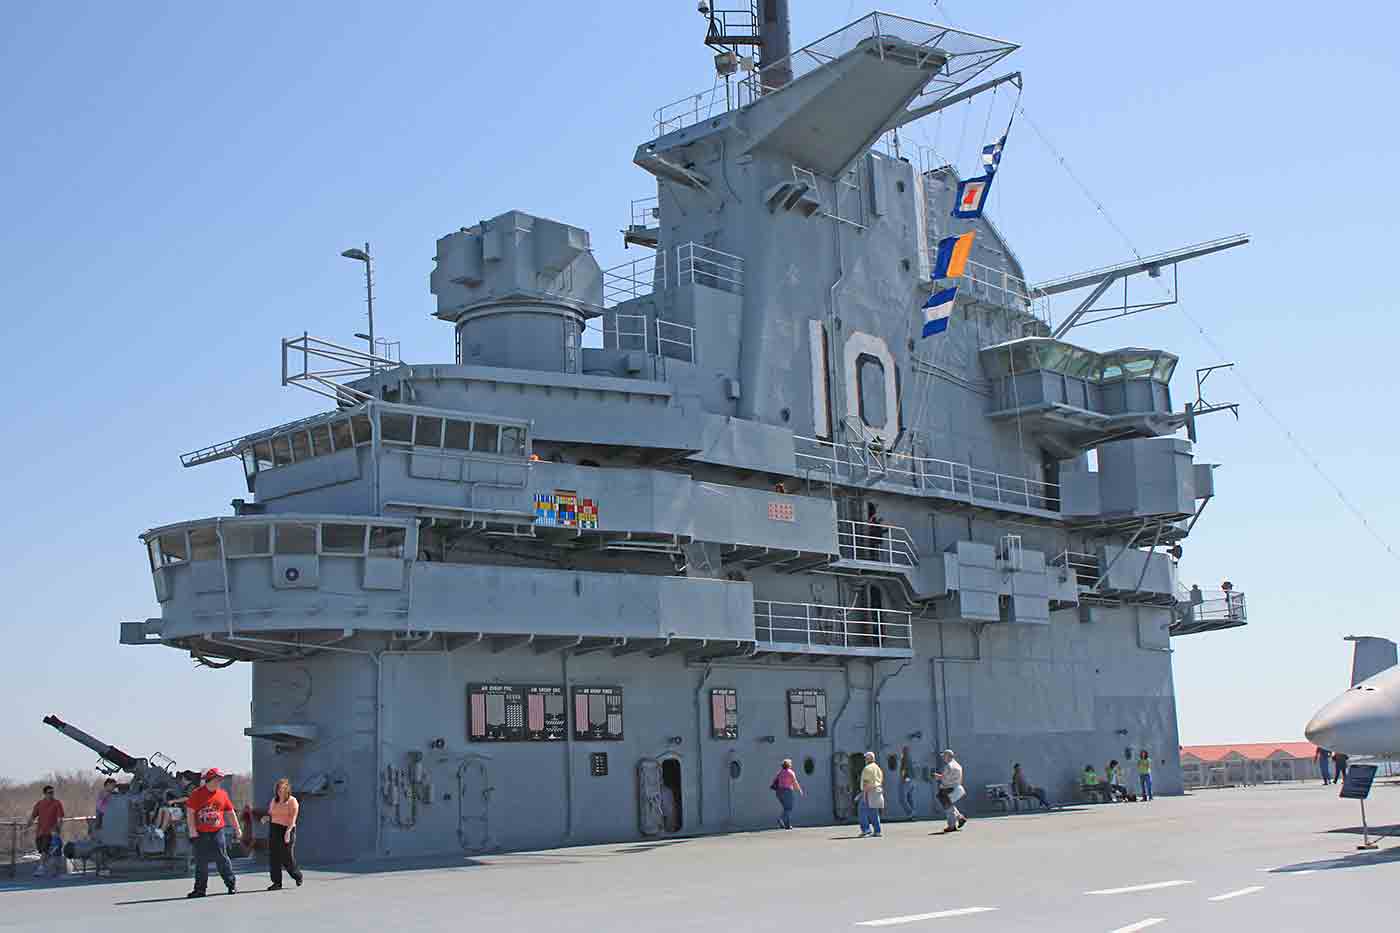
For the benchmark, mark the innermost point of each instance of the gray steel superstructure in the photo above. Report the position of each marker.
(657, 527)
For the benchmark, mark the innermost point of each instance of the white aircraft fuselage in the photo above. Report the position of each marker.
(1363, 721)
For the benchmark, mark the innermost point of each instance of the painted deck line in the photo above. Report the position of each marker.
(1141, 925)
(1240, 893)
(915, 918)
(1141, 887)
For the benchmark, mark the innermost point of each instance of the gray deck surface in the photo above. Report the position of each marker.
(1291, 842)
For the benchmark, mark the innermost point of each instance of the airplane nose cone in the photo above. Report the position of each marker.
(1355, 723)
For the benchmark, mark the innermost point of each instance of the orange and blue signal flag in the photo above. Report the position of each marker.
(953, 252)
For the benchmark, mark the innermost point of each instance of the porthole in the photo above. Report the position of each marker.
(808, 765)
(899, 186)
(735, 769)
(893, 763)
(785, 414)
(904, 264)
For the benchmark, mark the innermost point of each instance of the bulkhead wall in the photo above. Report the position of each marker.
(1053, 697)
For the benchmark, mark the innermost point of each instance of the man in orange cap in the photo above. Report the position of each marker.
(206, 808)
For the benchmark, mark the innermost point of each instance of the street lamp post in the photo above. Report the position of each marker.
(362, 255)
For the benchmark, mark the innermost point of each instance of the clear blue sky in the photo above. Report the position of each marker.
(179, 179)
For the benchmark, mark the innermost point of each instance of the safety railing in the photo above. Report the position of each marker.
(877, 543)
(702, 265)
(646, 212)
(1085, 567)
(1217, 606)
(816, 627)
(17, 838)
(676, 341)
(867, 461)
(634, 279)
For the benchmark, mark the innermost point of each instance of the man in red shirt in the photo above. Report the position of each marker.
(47, 819)
(207, 806)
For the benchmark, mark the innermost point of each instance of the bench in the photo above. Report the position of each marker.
(1003, 796)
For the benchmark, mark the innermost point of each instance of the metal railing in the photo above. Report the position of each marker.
(646, 212)
(876, 543)
(676, 341)
(702, 265)
(1085, 567)
(816, 626)
(967, 55)
(945, 477)
(17, 838)
(634, 279)
(1218, 606)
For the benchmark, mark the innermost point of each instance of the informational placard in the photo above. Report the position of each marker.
(724, 713)
(598, 714)
(564, 508)
(515, 713)
(1357, 785)
(806, 713)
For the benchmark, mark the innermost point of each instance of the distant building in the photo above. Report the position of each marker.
(1258, 763)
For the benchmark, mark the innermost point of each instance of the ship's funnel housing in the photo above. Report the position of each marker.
(519, 289)
(775, 35)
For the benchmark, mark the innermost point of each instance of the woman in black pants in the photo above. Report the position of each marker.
(281, 834)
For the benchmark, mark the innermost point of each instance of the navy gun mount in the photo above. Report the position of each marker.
(131, 829)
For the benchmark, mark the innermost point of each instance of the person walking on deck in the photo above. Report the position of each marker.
(207, 810)
(872, 796)
(281, 818)
(787, 787)
(950, 791)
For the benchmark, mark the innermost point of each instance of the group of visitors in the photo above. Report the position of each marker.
(207, 811)
(870, 800)
(1337, 772)
(207, 808)
(1111, 788)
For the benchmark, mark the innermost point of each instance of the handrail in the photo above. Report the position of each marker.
(705, 265)
(814, 625)
(929, 473)
(876, 543)
(635, 278)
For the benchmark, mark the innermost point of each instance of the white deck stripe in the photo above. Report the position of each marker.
(1140, 925)
(914, 918)
(1141, 887)
(1240, 893)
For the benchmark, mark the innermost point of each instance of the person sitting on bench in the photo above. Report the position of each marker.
(1113, 779)
(1023, 788)
(1089, 783)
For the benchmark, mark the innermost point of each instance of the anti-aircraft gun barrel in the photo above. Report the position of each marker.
(108, 752)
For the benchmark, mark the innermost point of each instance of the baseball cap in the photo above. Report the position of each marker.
(213, 773)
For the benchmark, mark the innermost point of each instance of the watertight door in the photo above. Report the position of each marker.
(841, 791)
(649, 817)
(474, 805)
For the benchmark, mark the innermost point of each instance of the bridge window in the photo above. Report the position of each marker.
(204, 543)
(428, 432)
(485, 438)
(513, 442)
(386, 541)
(458, 435)
(173, 549)
(396, 429)
(247, 540)
(295, 539)
(281, 450)
(301, 446)
(360, 425)
(321, 440)
(343, 539)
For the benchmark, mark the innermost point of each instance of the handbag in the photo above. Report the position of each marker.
(875, 797)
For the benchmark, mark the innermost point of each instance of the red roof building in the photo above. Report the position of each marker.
(1248, 763)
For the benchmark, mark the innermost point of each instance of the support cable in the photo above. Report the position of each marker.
(1298, 446)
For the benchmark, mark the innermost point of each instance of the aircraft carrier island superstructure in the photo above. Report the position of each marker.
(656, 528)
